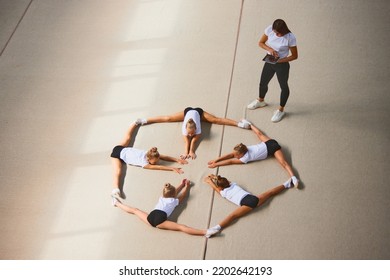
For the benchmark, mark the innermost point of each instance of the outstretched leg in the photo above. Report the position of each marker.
(131, 210)
(118, 165)
(259, 133)
(270, 193)
(129, 135)
(280, 158)
(213, 119)
(177, 117)
(169, 225)
(119, 174)
(243, 210)
(236, 214)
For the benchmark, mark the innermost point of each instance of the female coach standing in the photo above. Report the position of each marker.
(278, 41)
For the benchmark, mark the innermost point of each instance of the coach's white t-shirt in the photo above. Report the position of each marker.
(280, 44)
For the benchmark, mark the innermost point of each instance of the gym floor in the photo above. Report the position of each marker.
(75, 74)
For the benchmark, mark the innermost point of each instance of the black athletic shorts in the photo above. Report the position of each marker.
(157, 217)
(272, 147)
(199, 110)
(250, 200)
(116, 152)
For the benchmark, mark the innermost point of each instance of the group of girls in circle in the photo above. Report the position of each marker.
(279, 42)
(172, 196)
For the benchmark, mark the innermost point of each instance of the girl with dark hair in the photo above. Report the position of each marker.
(243, 154)
(278, 41)
(237, 195)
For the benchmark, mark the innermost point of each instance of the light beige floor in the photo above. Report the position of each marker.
(75, 74)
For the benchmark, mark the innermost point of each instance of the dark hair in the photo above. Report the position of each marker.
(280, 26)
(222, 182)
(241, 149)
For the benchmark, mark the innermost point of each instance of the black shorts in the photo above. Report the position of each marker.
(116, 152)
(199, 110)
(156, 217)
(250, 200)
(272, 147)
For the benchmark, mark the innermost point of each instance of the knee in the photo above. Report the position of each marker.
(285, 88)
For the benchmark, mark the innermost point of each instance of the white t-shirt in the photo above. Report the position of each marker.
(134, 156)
(234, 193)
(280, 44)
(255, 152)
(167, 204)
(192, 114)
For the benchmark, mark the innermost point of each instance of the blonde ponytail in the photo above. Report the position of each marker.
(169, 190)
(153, 153)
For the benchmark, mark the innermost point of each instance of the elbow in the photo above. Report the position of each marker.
(294, 57)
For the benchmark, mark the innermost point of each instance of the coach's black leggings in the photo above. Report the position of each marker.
(282, 71)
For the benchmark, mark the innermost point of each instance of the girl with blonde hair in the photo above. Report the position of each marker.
(166, 204)
(123, 154)
(191, 128)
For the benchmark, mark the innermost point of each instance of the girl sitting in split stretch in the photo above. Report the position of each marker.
(191, 128)
(235, 194)
(243, 154)
(124, 154)
(158, 218)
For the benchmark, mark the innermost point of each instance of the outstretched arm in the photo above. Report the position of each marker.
(173, 159)
(193, 143)
(186, 147)
(224, 160)
(210, 180)
(190, 146)
(161, 167)
(183, 189)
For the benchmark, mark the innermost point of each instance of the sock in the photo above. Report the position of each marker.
(246, 121)
(115, 191)
(213, 230)
(141, 121)
(114, 201)
(295, 181)
(288, 184)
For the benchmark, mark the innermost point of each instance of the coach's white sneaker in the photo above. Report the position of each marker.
(256, 104)
(278, 116)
